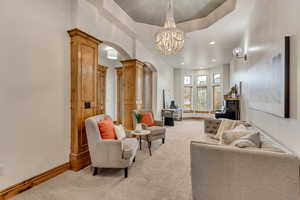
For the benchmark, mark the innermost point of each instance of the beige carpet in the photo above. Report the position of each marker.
(164, 176)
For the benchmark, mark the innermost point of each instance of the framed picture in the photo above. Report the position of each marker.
(269, 83)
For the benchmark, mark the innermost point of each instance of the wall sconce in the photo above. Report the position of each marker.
(239, 53)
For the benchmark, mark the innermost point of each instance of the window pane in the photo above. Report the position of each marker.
(202, 80)
(188, 93)
(187, 80)
(217, 100)
(217, 78)
(201, 102)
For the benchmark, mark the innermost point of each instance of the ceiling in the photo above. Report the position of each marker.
(198, 52)
(154, 11)
(226, 26)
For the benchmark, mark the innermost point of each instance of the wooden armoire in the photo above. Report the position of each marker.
(132, 74)
(87, 93)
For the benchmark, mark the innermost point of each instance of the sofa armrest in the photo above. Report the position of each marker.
(224, 172)
(211, 126)
(158, 123)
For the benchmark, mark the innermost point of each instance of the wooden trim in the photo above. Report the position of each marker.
(193, 118)
(131, 61)
(77, 32)
(31, 182)
(188, 111)
(231, 99)
(102, 68)
(202, 112)
(79, 160)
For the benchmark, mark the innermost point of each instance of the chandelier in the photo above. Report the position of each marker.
(170, 40)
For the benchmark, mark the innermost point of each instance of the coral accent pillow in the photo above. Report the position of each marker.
(107, 129)
(148, 119)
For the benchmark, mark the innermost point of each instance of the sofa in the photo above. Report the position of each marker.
(225, 172)
(109, 153)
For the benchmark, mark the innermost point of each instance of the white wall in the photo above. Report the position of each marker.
(34, 87)
(35, 80)
(271, 22)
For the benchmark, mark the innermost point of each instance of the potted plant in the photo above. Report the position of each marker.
(138, 126)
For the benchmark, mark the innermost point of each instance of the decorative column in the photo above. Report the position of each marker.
(120, 95)
(101, 89)
(133, 89)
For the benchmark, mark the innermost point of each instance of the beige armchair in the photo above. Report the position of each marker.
(157, 132)
(109, 153)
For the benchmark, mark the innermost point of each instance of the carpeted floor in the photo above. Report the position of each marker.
(164, 176)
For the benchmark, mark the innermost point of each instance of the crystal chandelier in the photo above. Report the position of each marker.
(170, 40)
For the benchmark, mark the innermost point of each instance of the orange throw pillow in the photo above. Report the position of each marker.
(107, 129)
(148, 119)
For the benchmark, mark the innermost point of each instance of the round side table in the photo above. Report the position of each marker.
(142, 133)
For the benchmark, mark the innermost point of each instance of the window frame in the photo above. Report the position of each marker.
(196, 99)
(214, 80)
(191, 80)
(191, 99)
(213, 96)
(200, 85)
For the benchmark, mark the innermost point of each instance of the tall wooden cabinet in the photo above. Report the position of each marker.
(84, 73)
(133, 89)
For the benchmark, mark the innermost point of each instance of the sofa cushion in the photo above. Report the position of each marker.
(231, 135)
(156, 130)
(129, 147)
(251, 140)
(211, 126)
(148, 119)
(225, 125)
(120, 132)
(107, 129)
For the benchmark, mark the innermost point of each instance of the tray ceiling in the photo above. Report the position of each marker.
(153, 11)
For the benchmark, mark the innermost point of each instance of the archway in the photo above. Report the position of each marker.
(110, 55)
(153, 89)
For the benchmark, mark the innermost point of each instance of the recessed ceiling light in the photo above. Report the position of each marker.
(182, 63)
(212, 43)
(213, 60)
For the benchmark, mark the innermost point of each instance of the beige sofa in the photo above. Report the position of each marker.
(223, 172)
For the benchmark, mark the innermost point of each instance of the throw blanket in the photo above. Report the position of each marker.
(225, 125)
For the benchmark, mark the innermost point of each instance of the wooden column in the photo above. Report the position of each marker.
(84, 61)
(148, 88)
(133, 89)
(120, 95)
(101, 87)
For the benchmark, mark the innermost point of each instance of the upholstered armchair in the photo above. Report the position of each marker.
(109, 153)
(158, 131)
